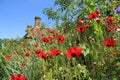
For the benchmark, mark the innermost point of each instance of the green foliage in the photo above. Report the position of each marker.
(70, 10)
(97, 62)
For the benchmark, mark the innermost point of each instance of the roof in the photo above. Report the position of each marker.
(36, 31)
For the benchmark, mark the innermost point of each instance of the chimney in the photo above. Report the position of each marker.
(37, 21)
(29, 28)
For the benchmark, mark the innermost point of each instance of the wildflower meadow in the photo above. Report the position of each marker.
(84, 44)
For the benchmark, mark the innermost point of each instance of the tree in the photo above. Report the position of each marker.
(69, 11)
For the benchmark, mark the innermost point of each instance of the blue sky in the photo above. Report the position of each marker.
(15, 15)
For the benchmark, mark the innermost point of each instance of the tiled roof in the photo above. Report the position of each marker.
(36, 31)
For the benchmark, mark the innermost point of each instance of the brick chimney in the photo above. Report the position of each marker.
(29, 28)
(37, 21)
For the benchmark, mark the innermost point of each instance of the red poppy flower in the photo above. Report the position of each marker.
(109, 20)
(43, 55)
(97, 12)
(74, 52)
(47, 40)
(23, 63)
(8, 57)
(60, 38)
(55, 52)
(108, 29)
(81, 28)
(13, 77)
(109, 42)
(44, 40)
(92, 15)
(18, 77)
(38, 51)
(51, 30)
(27, 54)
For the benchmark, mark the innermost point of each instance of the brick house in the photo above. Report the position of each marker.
(36, 31)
